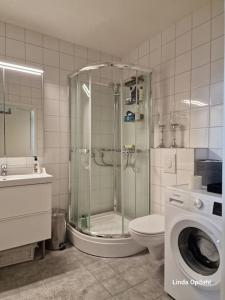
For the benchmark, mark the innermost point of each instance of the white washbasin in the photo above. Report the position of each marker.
(24, 179)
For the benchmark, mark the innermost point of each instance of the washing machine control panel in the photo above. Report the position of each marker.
(201, 202)
(206, 204)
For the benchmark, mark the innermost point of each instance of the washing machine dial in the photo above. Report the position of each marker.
(198, 203)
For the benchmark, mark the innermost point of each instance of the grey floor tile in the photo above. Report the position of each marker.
(115, 285)
(10, 295)
(122, 264)
(150, 289)
(101, 270)
(136, 275)
(131, 294)
(158, 274)
(74, 275)
(94, 292)
(165, 296)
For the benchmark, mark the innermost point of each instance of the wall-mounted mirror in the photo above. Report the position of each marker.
(21, 111)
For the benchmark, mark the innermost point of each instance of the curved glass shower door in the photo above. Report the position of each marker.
(110, 149)
(80, 152)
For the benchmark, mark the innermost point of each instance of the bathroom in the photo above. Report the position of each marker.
(115, 128)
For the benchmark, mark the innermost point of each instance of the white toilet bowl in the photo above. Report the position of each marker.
(149, 231)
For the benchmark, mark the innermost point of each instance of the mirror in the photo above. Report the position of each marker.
(21, 113)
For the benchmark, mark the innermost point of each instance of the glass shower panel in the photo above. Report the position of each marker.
(104, 156)
(110, 116)
(128, 149)
(135, 114)
(80, 152)
(142, 145)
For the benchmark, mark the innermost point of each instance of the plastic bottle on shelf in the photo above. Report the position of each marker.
(141, 94)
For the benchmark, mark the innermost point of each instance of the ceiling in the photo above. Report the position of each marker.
(113, 26)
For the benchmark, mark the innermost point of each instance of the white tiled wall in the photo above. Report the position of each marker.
(187, 60)
(160, 179)
(58, 58)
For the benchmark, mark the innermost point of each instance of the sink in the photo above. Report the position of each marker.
(24, 179)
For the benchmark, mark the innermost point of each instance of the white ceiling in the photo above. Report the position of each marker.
(113, 26)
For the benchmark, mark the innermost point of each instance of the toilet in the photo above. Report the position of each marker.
(148, 231)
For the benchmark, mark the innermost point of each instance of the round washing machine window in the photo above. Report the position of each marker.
(199, 251)
(195, 244)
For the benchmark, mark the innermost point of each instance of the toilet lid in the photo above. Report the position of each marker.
(152, 224)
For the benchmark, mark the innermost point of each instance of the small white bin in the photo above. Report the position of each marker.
(57, 242)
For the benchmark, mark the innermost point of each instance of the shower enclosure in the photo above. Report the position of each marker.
(110, 127)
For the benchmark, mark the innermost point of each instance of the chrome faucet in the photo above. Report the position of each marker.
(4, 170)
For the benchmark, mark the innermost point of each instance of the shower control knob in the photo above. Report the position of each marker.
(198, 203)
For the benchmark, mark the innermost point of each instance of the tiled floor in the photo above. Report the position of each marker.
(73, 275)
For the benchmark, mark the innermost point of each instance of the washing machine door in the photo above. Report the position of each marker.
(195, 244)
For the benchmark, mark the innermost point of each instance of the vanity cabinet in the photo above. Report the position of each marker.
(25, 214)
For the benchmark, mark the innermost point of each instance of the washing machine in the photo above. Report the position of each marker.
(193, 244)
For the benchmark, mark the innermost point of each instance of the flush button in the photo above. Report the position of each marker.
(198, 203)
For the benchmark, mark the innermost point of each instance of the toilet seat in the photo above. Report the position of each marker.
(148, 225)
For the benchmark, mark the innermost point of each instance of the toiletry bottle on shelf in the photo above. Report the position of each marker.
(138, 114)
(129, 117)
(84, 222)
(141, 94)
(36, 167)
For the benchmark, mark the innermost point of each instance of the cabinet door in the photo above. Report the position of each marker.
(24, 200)
(24, 230)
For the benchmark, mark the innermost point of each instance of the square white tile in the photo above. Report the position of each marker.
(216, 137)
(185, 159)
(218, 26)
(168, 51)
(202, 15)
(34, 54)
(216, 93)
(155, 42)
(182, 82)
(2, 45)
(183, 26)
(155, 57)
(15, 32)
(217, 7)
(217, 71)
(33, 37)
(200, 97)
(183, 43)
(217, 50)
(2, 29)
(66, 47)
(200, 76)
(168, 35)
(201, 34)
(199, 138)
(183, 63)
(216, 116)
(51, 58)
(183, 176)
(15, 49)
(66, 62)
(200, 118)
(50, 42)
(201, 55)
